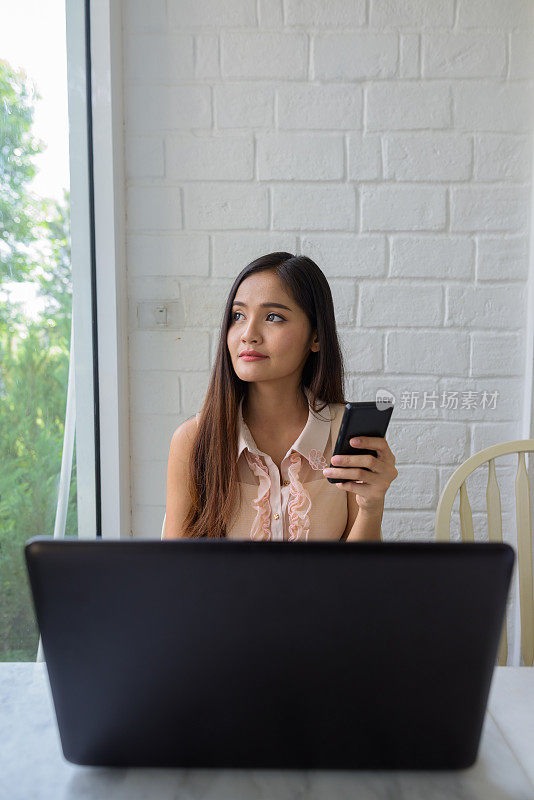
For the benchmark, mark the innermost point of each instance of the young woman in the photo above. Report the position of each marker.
(252, 464)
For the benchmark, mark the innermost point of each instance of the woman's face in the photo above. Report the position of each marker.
(281, 334)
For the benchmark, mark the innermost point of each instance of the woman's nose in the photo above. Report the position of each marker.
(249, 335)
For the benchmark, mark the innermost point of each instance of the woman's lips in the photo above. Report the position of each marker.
(252, 358)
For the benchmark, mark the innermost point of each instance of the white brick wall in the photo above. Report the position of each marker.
(389, 140)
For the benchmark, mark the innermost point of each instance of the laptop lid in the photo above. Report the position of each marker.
(225, 653)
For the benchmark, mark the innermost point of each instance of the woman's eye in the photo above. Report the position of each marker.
(272, 314)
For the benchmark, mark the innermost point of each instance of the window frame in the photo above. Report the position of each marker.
(94, 70)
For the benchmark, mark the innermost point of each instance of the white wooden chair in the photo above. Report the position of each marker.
(493, 505)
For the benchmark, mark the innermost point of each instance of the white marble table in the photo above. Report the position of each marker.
(32, 765)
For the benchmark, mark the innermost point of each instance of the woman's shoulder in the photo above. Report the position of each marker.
(336, 415)
(183, 435)
(338, 406)
(337, 410)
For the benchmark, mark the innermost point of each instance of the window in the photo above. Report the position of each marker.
(49, 482)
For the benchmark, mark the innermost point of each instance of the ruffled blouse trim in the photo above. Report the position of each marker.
(299, 503)
(261, 527)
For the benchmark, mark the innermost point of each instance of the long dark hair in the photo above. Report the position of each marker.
(213, 483)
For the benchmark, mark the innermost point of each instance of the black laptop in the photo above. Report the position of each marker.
(239, 654)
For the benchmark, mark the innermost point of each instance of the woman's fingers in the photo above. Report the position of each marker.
(351, 474)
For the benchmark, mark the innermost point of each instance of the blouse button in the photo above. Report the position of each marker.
(285, 483)
(276, 516)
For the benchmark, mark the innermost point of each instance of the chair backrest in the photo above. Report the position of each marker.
(455, 484)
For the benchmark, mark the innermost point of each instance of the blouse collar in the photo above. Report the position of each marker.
(312, 438)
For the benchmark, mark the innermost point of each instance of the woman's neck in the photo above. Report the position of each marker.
(274, 413)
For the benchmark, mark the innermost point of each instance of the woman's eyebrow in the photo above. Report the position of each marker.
(263, 305)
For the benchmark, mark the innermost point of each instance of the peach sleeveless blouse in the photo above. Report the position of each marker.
(296, 503)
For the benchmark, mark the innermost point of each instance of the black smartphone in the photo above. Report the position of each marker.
(360, 419)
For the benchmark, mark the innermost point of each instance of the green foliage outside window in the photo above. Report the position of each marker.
(34, 363)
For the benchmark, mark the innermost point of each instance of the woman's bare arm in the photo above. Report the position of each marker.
(178, 499)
